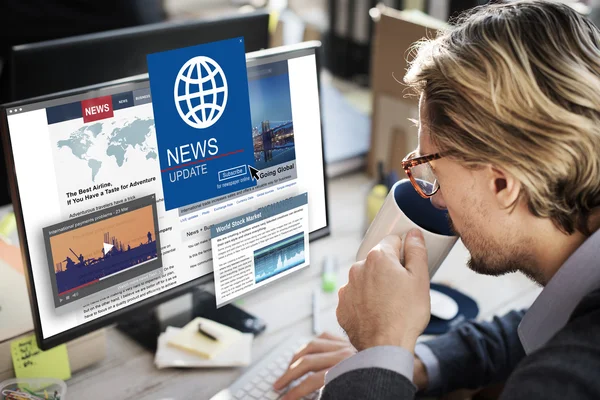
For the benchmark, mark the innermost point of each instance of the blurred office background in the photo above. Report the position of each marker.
(346, 27)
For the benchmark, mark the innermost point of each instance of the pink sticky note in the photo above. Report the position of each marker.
(11, 255)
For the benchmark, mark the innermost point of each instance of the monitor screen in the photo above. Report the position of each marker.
(95, 229)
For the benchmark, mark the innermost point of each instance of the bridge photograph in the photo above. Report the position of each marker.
(272, 124)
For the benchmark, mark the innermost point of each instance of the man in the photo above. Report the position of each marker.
(510, 120)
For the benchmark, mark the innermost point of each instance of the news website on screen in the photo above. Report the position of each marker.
(121, 203)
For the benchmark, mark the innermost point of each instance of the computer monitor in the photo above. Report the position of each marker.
(57, 65)
(54, 157)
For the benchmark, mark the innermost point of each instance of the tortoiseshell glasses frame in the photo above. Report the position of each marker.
(410, 162)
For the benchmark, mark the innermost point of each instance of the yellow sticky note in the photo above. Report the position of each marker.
(8, 224)
(31, 362)
(273, 20)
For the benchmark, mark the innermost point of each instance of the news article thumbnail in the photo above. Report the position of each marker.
(272, 124)
(102, 246)
(207, 132)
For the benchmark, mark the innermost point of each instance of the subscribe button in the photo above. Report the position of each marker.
(232, 173)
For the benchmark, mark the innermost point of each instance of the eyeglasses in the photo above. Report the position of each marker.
(421, 173)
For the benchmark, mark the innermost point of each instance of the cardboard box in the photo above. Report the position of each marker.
(395, 32)
(288, 27)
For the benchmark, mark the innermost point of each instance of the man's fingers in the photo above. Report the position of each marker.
(306, 364)
(343, 308)
(331, 336)
(415, 253)
(391, 244)
(312, 383)
(319, 346)
(302, 366)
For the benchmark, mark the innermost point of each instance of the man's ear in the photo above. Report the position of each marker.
(504, 186)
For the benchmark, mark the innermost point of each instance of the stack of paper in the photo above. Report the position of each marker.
(185, 347)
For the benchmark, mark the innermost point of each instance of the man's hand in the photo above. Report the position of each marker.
(317, 358)
(385, 303)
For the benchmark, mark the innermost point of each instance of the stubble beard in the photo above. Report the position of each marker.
(487, 257)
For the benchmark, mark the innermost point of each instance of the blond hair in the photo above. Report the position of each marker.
(518, 86)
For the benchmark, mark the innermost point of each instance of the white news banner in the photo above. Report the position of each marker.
(254, 249)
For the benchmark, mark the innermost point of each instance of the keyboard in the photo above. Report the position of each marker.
(257, 382)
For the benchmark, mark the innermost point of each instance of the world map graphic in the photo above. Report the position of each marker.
(103, 142)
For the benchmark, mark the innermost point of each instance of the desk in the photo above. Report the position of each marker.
(128, 371)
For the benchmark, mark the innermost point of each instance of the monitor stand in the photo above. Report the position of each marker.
(145, 326)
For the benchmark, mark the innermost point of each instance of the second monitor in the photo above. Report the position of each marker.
(57, 65)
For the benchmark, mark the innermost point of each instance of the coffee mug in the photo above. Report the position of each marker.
(403, 210)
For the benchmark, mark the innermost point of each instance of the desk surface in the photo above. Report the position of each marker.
(128, 372)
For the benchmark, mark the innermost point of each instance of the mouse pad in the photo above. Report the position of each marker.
(467, 309)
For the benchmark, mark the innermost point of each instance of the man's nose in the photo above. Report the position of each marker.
(438, 200)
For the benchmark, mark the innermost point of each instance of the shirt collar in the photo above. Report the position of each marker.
(550, 312)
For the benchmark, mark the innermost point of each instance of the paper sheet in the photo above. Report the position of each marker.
(188, 338)
(238, 354)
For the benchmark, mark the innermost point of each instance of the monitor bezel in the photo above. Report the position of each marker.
(110, 319)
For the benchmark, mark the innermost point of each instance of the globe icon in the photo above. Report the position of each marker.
(200, 92)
